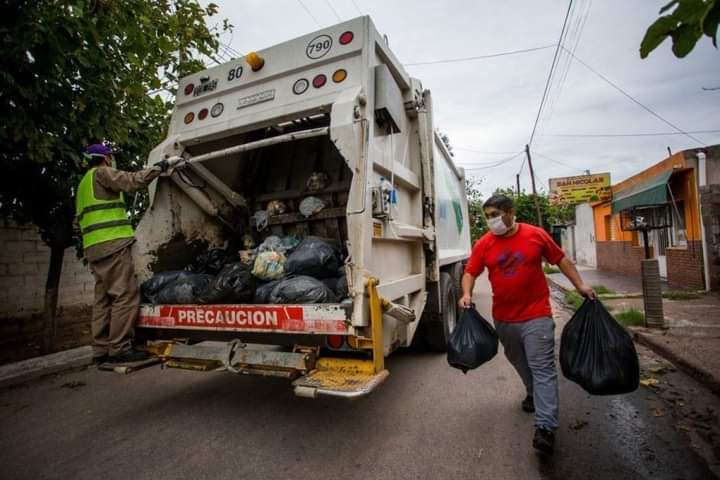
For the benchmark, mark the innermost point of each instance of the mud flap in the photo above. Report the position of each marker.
(340, 377)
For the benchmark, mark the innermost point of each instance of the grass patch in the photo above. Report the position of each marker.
(680, 295)
(631, 318)
(573, 299)
(550, 269)
(603, 290)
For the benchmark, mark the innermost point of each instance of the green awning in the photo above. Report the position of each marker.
(653, 191)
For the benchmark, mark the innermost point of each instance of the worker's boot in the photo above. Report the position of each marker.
(129, 356)
(544, 440)
(528, 405)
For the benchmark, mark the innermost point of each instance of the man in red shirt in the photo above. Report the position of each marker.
(513, 253)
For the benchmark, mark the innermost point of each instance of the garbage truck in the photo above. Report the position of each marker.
(335, 103)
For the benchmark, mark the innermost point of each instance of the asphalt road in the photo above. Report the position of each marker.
(427, 421)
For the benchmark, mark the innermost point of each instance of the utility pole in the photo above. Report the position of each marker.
(517, 181)
(532, 179)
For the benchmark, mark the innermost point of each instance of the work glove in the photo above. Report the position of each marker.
(170, 163)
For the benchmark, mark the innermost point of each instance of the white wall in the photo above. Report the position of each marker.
(585, 252)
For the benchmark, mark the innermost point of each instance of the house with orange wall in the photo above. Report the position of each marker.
(667, 193)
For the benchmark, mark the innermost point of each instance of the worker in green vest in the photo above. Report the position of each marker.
(107, 236)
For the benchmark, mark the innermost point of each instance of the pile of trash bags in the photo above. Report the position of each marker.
(278, 271)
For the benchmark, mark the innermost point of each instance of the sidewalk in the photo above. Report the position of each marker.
(692, 337)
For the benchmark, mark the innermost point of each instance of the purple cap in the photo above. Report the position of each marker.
(98, 148)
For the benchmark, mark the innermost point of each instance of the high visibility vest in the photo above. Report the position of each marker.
(100, 220)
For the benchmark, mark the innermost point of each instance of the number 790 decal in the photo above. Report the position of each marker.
(318, 47)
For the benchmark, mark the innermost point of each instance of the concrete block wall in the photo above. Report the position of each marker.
(24, 261)
(685, 266)
(619, 257)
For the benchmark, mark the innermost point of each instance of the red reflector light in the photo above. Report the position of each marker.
(319, 81)
(202, 115)
(189, 88)
(335, 341)
(346, 38)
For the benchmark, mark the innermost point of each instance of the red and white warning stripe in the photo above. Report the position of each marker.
(320, 319)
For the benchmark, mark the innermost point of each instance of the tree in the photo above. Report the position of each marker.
(76, 72)
(551, 214)
(478, 224)
(685, 25)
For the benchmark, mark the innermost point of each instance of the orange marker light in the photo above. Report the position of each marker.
(255, 61)
(189, 117)
(339, 75)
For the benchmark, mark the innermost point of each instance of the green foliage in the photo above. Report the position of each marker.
(685, 25)
(526, 212)
(76, 72)
(676, 295)
(573, 299)
(603, 290)
(631, 318)
(549, 270)
(478, 224)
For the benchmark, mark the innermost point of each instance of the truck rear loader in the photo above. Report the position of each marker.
(253, 131)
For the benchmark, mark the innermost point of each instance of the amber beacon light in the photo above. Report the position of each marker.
(255, 61)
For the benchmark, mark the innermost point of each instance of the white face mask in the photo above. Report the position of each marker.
(497, 226)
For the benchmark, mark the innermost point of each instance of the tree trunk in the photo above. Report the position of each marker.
(52, 287)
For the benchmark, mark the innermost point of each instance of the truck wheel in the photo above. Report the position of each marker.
(456, 271)
(437, 334)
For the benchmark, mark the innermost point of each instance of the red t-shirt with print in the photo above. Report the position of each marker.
(520, 290)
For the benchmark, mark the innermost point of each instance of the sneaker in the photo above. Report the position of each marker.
(528, 405)
(129, 356)
(544, 440)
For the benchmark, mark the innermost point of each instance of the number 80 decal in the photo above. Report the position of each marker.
(235, 73)
(318, 47)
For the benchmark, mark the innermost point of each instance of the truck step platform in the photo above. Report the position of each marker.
(340, 377)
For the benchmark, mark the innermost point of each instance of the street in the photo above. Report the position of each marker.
(426, 421)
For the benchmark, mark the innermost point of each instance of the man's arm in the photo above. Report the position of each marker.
(121, 181)
(567, 267)
(468, 283)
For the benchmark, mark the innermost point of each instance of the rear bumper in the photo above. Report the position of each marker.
(324, 319)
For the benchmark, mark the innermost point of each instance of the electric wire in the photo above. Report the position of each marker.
(535, 152)
(333, 10)
(356, 7)
(634, 100)
(494, 164)
(552, 68)
(309, 12)
(611, 135)
(480, 57)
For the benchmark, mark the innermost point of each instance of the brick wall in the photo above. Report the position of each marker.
(619, 257)
(710, 200)
(685, 266)
(24, 261)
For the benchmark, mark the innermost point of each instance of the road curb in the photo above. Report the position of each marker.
(696, 371)
(555, 284)
(20, 372)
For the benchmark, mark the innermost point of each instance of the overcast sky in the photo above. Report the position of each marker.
(488, 107)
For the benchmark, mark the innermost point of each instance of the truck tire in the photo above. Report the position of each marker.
(456, 271)
(438, 333)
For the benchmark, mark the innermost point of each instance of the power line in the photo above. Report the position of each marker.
(552, 69)
(309, 13)
(356, 7)
(480, 57)
(333, 10)
(557, 161)
(646, 134)
(480, 151)
(633, 99)
(495, 164)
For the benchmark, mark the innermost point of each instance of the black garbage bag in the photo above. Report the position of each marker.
(473, 342)
(301, 289)
(211, 262)
(187, 288)
(341, 289)
(262, 293)
(234, 284)
(151, 287)
(316, 257)
(331, 282)
(597, 353)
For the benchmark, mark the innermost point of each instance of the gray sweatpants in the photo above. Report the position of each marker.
(530, 347)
